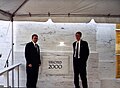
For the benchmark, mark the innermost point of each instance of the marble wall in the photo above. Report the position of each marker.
(105, 39)
(49, 78)
(51, 34)
(105, 42)
(5, 41)
(101, 39)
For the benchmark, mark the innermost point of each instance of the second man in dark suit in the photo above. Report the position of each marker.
(80, 56)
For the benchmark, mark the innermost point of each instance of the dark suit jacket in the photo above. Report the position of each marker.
(84, 52)
(31, 54)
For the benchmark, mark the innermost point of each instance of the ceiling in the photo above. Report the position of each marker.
(102, 11)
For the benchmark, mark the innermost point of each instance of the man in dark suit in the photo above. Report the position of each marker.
(32, 55)
(80, 56)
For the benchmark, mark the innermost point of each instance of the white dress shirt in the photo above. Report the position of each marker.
(78, 49)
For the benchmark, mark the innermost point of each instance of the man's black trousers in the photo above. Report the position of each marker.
(32, 76)
(80, 70)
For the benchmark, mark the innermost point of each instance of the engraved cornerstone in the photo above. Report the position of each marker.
(55, 65)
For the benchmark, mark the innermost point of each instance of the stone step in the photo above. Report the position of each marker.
(110, 83)
(60, 82)
(65, 84)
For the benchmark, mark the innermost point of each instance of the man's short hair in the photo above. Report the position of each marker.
(34, 35)
(79, 33)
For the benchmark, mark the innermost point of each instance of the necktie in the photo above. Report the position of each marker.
(36, 47)
(77, 50)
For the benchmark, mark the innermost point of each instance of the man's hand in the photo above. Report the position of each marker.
(29, 65)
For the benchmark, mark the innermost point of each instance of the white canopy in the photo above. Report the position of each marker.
(61, 10)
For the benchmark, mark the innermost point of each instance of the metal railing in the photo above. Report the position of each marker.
(7, 61)
(6, 71)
